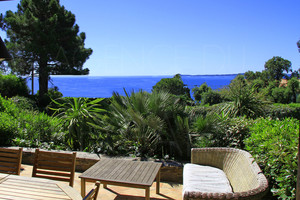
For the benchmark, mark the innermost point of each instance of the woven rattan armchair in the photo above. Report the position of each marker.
(245, 176)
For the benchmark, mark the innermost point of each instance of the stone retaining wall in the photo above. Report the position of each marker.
(169, 172)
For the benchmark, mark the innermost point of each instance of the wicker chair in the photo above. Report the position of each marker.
(245, 177)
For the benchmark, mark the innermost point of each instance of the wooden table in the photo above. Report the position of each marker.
(136, 174)
(21, 187)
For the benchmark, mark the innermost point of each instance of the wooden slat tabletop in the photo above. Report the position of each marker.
(123, 171)
(20, 187)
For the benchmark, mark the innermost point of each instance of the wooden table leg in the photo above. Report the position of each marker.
(148, 193)
(157, 182)
(82, 187)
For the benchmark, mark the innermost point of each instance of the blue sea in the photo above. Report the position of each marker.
(104, 86)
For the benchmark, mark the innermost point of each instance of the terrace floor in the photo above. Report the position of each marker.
(167, 190)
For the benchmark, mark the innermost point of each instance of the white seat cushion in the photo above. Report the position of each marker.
(205, 179)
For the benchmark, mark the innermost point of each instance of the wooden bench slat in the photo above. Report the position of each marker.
(54, 165)
(10, 160)
(54, 173)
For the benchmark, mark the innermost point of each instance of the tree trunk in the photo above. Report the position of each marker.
(43, 78)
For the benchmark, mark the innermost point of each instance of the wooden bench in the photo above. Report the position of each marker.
(244, 175)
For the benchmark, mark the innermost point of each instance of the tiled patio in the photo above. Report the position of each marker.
(167, 190)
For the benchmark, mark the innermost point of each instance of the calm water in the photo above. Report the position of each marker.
(103, 86)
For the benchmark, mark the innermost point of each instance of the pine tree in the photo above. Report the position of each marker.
(42, 33)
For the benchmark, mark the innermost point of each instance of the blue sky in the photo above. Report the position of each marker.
(166, 37)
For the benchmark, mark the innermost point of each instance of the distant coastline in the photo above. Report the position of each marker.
(213, 74)
(104, 86)
(147, 75)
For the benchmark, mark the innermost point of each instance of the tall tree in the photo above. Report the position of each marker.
(199, 91)
(173, 85)
(294, 86)
(43, 34)
(276, 67)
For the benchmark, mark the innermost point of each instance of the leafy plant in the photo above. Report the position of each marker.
(221, 131)
(30, 127)
(294, 88)
(173, 86)
(39, 128)
(79, 116)
(199, 91)
(24, 103)
(46, 99)
(137, 121)
(8, 129)
(276, 67)
(211, 97)
(273, 143)
(154, 122)
(281, 95)
(282, 111)
(245, 101)
(11, 85)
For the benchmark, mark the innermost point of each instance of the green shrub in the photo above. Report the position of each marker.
(79, 116)
(8, 107)
(294, 105)
(39, 128)
(24, 103)
(11, 85)
(281, 95)
(211, 97)
(244, 100)
(46, 99)
(8, 129)
(155, 122)
(294, 87)
(199, 91)
(282, 111)
(221, 131)
(273, 143)
(29, 127)
(174, 86)
(232, 132)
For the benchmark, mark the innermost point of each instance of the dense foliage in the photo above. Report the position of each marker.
(220, 131)
(78, 116)
(245, 101)
(274, 143)
(154, 122)
(28, 127)
(164, 123)
(276, 67)
(282, 111)
(174, 86)
(11, 85)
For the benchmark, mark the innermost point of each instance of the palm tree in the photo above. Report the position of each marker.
(149, 120)
(133, 118)
(78, 115)
(245, 100)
